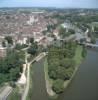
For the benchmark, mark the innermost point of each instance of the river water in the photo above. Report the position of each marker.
(84, 85)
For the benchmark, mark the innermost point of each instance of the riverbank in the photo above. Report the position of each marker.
(49, 82)
(78, 59)
(29, 96)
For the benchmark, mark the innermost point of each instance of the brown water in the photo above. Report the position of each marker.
(84, 86)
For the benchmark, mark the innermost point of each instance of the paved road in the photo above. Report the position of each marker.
(28, 83)
(90, 44)
(5, 93)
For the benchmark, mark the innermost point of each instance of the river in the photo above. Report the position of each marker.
(39, 86)
(84, 85)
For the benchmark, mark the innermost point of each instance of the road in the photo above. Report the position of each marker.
(27, 84)
(5, 93)
(90, 44)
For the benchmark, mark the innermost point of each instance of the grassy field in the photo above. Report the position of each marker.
(46, 71)
(78, 57)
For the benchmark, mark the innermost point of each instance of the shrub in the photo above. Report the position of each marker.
(58, 86)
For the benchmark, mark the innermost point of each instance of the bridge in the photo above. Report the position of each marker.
(39, 57)
(91, 45)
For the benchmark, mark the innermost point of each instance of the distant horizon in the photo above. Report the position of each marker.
(49, 7)
(50, 3)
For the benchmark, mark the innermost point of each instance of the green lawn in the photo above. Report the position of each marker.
(78, 57)
(46, 71)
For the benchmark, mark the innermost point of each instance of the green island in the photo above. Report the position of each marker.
(60, 66)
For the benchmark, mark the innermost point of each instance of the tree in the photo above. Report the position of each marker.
(71, 31)
(50, 27)
(93, 40)
(33, 49)
(84, 52)
(66, 63)
(9, 39)
(62, 31)
(4, 44)
(19, 46)
(52, 74)
(61, 73)
(96, 29)
(58, 86)
(31, 40)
